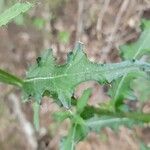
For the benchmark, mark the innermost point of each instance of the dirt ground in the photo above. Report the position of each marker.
(102, 25)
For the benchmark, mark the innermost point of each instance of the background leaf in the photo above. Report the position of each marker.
(137, 49)
(14, 11)
(63, 37)
(144, 146)
(121, 88)
(98, 123)
(143, 91)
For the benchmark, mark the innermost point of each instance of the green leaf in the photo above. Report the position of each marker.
(121, 88)
(1, 5)
(98, 123)
(88, 112)
(19, 20)
(8, 78)
(39, 23)
(61, 80)
(137, 49)
(82, 101)
(144, 146)
(102, 111)
(141, 88)
(14, 11)
(63, 37)
(77, 133)
(145, 24)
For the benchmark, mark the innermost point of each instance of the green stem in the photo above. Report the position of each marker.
(138, 116)
(8, 78)
(91, 110)
(36, 111)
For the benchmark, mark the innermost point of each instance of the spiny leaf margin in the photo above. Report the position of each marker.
(59, 81)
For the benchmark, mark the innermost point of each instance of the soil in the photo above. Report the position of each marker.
(20, 45)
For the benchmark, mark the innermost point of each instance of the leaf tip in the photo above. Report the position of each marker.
(79, 46)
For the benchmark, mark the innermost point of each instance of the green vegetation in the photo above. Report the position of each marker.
(47, 78)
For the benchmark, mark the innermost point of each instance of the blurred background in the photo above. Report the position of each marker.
(102, 25)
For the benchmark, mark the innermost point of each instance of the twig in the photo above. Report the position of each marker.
(24, 123)
(101, 16)
(80, 20)
(126, 39)
(111, 39)
(118, 20)
(46, 14)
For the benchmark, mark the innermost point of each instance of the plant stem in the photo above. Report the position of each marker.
(8, 78)
(138, 116)
(36, 111)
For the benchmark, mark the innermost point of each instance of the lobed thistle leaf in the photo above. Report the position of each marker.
(59, 81)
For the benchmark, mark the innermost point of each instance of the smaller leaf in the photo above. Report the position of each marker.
(2, 5)
(139, 48)
(14, 11)
(82, 101)
(39, 23)
(145, 24)
(98, 123)
(141, 87)
(63, 37)
(121, 89)
(143, 146)
(19, 20)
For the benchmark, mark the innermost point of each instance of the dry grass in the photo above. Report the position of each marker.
(102, 25)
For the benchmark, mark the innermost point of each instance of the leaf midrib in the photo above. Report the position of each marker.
(102, 71)
(109, 120)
